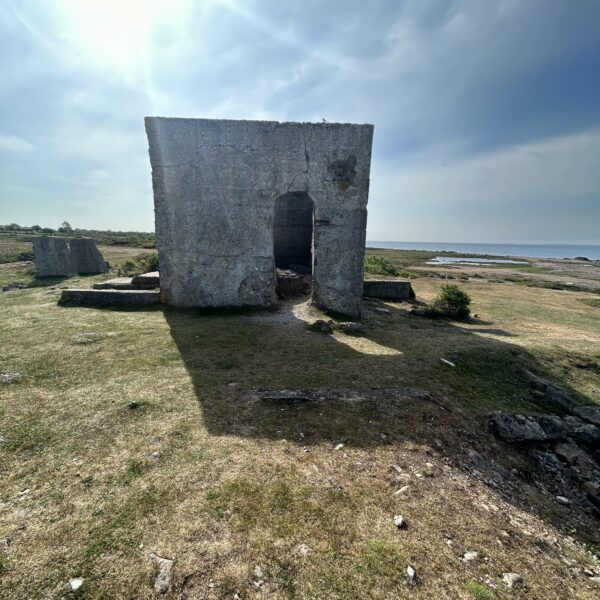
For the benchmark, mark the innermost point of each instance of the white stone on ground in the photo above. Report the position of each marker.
(512, 579)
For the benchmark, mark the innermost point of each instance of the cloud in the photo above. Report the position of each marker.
(537, 192)
(13, 143)
(478, 87)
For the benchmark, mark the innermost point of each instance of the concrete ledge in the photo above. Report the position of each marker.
(146, 281)
(119, 283)
(123, 298)
(387, 289)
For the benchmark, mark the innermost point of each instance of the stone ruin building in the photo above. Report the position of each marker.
(55, 258)
(235, 201)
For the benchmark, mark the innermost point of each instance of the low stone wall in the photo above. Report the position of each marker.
(387, 289)
(119, 298)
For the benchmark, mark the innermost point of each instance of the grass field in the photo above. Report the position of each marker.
(240, 483)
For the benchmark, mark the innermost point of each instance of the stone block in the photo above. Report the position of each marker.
(116, 298)
(387, 289)
(52, 257)
(146, 281)
(118, 283)
(86, 257)
(216, 186)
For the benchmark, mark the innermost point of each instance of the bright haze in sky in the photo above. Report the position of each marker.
(486, 114)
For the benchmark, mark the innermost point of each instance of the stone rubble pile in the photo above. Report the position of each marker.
(566, 450)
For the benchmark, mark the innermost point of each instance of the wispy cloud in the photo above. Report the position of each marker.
(13, 143)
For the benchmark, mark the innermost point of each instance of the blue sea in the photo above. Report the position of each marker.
(518, 250)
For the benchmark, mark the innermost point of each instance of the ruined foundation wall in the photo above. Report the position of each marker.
(215, 185)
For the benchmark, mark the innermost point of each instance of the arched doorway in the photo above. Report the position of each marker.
(293, 243)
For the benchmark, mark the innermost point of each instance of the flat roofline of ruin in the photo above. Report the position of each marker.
(261, 122)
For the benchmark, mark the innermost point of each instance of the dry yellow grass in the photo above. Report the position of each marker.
(242, 483)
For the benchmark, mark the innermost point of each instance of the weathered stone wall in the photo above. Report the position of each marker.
(86, 257)
(52, 257)
(215, 185)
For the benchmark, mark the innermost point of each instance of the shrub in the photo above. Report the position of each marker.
(451, 303)
(378, 265)
(143, 263)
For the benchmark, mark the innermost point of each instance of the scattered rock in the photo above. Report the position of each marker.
(568, 451)
(588, 413)
(538, 394)
(477, 459)
(350, 328)
(75, 583)
(162, 583)
(13, 286)
(516, 428)
(583, 433)
(9, 377)
(382, 311)
(339, 447)
(89, 337)
(411, 575)
(563, 500)
(322, 326)
(399, 522)
(335, 484)
(133, 405)
(258, 572)
(302, 550)
(591, 488)
(512, 579)
(156, 455)
(470, 556)
(499, 473)
(402, 490)
(447, 362)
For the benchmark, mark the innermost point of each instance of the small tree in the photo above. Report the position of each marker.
(450, 303)
(65, 227)
(36, 228)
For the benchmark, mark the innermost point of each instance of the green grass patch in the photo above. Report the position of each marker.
(479, 591)
(595, 302)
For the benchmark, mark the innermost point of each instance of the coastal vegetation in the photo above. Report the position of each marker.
(130, 432)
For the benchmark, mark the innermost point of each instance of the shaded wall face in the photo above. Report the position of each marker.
(293, 231)
(215, 188)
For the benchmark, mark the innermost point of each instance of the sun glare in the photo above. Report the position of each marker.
(114, 34)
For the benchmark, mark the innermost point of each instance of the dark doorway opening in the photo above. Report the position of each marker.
(293, 243)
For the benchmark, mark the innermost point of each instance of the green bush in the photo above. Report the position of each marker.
(143, 263)
(378, 265)
(450, 303)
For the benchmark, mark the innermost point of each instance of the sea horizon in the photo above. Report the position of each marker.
(558, 251)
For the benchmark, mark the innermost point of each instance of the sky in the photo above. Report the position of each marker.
(486, 114)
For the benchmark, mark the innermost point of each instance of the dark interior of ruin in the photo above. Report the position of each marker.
(292, 239)
(292, 232)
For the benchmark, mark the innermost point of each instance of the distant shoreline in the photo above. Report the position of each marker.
(549, 251)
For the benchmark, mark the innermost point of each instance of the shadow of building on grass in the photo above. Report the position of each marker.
(388, 387)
